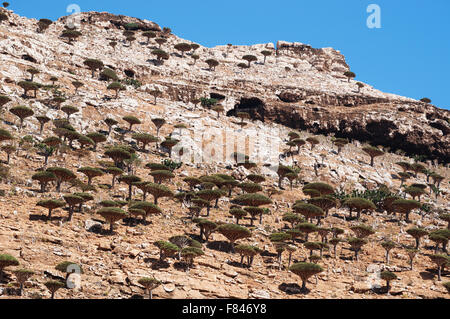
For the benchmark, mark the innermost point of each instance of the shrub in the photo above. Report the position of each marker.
(308, 210)
(33, 72)
(129, 180)
(207, 227)
(71, 35)
(132, 120)
(356, 244)
(6, 261)
(250, 188)
(183, 47)
(72, 201)
(161, 54)
(441, 261)
(62, 175)
(189, 254)
(29, 86)
(362, 231)
(359, 205)
(160, 42)
(159, 123)
(404, 206)
(42, 119)
(266, 54)
(322, 188)
(4, 100)
(247, 251)
(209, 195)
(250, 59)
(305, 271)
(90, 173)
(22, 112)
(109, 75)
(253, 212)
(8, 149)
(388, 277)
(233, 233)
(148, 208)
(53, 286)
(114, 171)
(349, 75)
(97, 138)
(51, 204)
(22, 276)
(372, 152)
(161, 176)
(5, 135)
(94, 65)
(116, 86)
(112, 215)
(3, 17)
(254, 200)
(313, 141)
(118, 155)
(166, 249)
(44, 178)
(388, 245)
(212, 63)
(145, 139)
(158, 191)
(238, 214)
(414, 192)
(149, 35)
(169, 143)
(149, 284)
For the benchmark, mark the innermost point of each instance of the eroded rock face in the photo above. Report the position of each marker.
(382, 124)
(314, 95)
(324, 60)
(119, 21)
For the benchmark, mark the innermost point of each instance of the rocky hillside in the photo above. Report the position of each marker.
(293, 113)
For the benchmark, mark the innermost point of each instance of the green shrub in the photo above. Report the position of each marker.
(149, 284)
(305, 271)
(112, 215)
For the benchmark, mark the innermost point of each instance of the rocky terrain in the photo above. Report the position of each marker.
(298, 88)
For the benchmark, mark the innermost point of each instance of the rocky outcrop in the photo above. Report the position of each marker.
(324, 60)
(119, 21)
(404, 127)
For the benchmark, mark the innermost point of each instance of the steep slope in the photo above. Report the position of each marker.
(312, 96)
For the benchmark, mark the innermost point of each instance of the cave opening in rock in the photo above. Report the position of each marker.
(29, 58)
(253, 105)
(217, 96)
(130, 73)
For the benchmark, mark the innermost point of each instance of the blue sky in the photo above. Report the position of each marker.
(409, 55)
